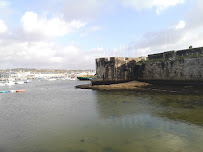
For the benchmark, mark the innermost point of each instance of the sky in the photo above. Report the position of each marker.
(67, 34)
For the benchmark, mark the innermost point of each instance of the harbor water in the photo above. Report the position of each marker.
(53, 116)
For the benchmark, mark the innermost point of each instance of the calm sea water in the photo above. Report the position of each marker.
(55, 117)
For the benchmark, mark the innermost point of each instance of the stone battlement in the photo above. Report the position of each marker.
(126, 59)
(176, 54)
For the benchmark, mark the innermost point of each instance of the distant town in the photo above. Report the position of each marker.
(23, 74)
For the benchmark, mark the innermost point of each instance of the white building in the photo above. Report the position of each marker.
(13, 74)
(46, 75)
(4, 75)
(23, 74)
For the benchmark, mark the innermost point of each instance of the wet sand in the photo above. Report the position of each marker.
(132, 85)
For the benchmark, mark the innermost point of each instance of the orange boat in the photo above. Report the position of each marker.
(20, 90)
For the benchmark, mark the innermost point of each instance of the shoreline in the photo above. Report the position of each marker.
(132, 85)
(147, 87)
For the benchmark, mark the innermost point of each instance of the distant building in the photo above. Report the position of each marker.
(23, 74)
(4, 75)
(14, 74)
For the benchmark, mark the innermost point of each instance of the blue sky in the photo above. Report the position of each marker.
(67, 34)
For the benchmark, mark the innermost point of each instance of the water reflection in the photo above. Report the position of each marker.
(187, 108)
(53, 116)
(153, 122)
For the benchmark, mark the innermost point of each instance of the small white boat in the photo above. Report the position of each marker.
(28, 81)
(2, 84)
(20, 82)
(73, 78)
(52, 79)
(12, 91)
(10, 83)
(68, 78)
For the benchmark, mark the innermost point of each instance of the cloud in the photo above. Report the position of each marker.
(167, 40)
(180, 25)
(48, 27)
(84, 10)
(3, 27)
(178, 36)
(91, 9)
(186, 32)
(44, 54)
(194, 15)
(32, 46)
(159, 5)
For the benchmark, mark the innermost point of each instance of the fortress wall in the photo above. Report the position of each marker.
(183, 65)
(188, 52)
(155, 56)
(175, 54)
(115, 69)
(188, 69)
(101, 63)
(170, 55)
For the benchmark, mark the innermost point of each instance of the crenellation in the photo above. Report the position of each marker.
(155, 56)
(170, 55)
(188, 52)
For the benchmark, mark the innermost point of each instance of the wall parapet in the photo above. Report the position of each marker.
(176, 54)
(121, 58)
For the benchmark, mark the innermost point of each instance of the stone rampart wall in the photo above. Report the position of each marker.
(176, 54)
(183, 65)
(187, 69)
(116, 68)
(155, 56)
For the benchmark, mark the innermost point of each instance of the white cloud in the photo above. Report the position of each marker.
(164, 4)
(3, 27)
(159, 5)
(53, 27)
(16, 54)
(188, 31)
(85, 10)
(16, 51)
(167, 40)
(31, 47)
(180, 25)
